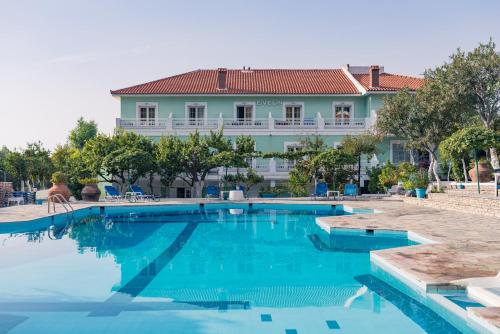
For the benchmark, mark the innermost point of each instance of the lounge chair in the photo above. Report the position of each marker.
(140, 194)
(212, 192)
(112, 194)
(321, 190)
(351, 189)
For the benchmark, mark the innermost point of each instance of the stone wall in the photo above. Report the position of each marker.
(463, 202)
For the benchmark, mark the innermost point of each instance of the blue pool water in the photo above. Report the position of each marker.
(211, 269)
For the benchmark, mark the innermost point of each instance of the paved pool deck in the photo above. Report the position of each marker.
(466, 245)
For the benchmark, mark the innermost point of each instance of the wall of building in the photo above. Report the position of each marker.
(216, 105)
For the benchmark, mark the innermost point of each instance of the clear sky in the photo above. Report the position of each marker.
(59, 59)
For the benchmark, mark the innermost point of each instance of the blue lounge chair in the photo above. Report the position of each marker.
(212, 192)
(321, 190)
(112, 194)
(351, 190)
(140, 194)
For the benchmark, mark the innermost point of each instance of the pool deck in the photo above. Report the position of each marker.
(466, 245)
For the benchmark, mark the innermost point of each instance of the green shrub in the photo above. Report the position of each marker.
(388, 175)
(418, 179)
(374, 182)
(88, 180)
(59, 177)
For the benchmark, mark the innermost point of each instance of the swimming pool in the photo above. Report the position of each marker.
(215, 268)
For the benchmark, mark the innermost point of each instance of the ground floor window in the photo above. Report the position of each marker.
(399, 153)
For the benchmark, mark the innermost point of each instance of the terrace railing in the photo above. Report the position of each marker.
(260, 124)
(333, 123)
(183, 123)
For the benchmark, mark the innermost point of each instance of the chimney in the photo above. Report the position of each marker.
(221, 78)
(374, 76)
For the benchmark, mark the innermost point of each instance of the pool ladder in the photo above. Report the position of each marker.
(60, 199)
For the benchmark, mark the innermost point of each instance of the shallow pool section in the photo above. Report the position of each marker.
(214, 268)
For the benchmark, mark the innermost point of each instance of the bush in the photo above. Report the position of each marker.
(88, 180)
(418, 179)
(59, 177)
(374, 182)
(389, 176)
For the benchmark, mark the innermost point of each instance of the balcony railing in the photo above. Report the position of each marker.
(262, 123)
(332, 123)
(296, 124)
(141, 123)
(182, 123)
(312, 124)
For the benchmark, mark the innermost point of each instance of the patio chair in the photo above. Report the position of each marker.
(321, 190)
(112, 194)
(351, 189)
(212, 192)
(140, 194)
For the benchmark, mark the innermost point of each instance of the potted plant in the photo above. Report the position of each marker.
(420, 181)
(90, 191)
(59, 186)
(484, 170)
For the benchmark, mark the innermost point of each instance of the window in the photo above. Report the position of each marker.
(399, 153)
(147, 113)
(244, 113)
(342, 113)
(196, 114)
(293, 113)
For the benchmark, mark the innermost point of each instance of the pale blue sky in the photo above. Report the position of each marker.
(59, 59)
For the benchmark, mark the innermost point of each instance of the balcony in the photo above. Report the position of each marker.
(268, 125)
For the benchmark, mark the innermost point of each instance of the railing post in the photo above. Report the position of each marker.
(271, 121)
(220, 122)
(169, 125)
(321, 121)
(272, 166)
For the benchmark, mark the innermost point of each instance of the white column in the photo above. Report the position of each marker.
(169, 122)
(220, 121)
(321, 121)
(271, 121)
(272, 166)
(118, 123)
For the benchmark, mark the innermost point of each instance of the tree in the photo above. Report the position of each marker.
(473, 80)
(38, 164)
(15, 166)
(68, 160)
(420, 119)
(122, 158)
(462, 143)
(335, 163)
(83, 132)
(358, 145)
(200, 154)
(167, 155)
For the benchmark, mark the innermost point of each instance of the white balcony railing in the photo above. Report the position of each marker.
(310, 123)
(270, 124)
(262, 123)
(332, 123)
(142, 123)
(183, 123)
(284, 165)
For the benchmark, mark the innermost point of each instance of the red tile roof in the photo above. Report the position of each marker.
(389, 82)
(331, 81)
(266, 81)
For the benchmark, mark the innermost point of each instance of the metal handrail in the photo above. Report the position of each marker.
(61, 200)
